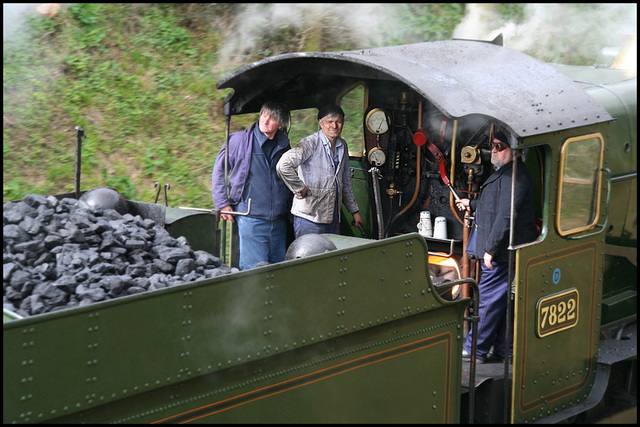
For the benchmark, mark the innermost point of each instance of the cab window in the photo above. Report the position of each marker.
(352, 102)
(303, 123)
(579, 186)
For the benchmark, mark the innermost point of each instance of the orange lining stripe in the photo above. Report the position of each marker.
(446, 340)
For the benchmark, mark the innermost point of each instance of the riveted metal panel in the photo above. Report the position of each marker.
(557, 310)
(268, 336)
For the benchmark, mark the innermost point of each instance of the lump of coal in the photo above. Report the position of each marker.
(62, 253)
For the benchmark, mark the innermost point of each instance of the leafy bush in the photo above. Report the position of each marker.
(139, 78)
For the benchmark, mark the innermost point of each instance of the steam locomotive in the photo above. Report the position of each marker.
(371, 329)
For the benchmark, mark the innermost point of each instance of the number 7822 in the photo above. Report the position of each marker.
(557, 312)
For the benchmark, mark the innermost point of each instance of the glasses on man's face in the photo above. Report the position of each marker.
(498, 146)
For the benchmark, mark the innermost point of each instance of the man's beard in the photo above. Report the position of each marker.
(497, 162)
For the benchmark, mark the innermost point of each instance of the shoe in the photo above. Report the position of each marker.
(492, 358)
(466, 355)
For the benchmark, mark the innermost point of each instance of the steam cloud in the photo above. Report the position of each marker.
(546, 26)
(358, 21)
(372, 24)
(13, 18)
(549, 29)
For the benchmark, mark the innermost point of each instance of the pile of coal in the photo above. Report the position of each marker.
(60, 254)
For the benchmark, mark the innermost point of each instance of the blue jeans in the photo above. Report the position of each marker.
(304, 226)
(261, 240)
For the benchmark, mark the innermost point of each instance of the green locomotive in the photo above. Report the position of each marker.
(372, 331)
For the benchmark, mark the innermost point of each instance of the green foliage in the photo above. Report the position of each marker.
(140, 80)
(59, 171)
(512, 12)
(15, 189)
(426, 21)
(123, 184)
(86, 13)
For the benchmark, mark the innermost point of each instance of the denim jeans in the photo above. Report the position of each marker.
(261, 240)
(304, 226)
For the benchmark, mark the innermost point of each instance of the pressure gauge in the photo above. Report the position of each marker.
(377, 121)
(377, 157)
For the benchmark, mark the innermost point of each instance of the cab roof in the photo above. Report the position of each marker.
(459, 77)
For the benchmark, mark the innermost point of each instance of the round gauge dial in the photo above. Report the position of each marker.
(377, 157)
(377, 121)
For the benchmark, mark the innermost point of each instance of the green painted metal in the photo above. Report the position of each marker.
(361, 183)
(359, 334)
(558, 294)
(202, 229)
(620, 280)
(556, 371)
(251, 347)
(616, 91)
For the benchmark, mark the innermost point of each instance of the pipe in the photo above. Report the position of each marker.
(166, 199)
(418, 164)
(512, 256)
(217, 211)
(474, 318)
(226, 177)
(375, 174)
(466, 232)
(454, 141)
(157, 185)
(79, 135)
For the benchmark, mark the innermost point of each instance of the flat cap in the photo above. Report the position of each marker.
(500, 136)
(329, 110)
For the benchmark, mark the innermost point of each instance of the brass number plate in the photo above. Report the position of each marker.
(557, 312)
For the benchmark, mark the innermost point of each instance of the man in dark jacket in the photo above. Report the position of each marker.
(491, 228)
(252, 156)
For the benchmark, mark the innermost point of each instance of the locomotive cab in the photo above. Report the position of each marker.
(367, 326)
(418, 123)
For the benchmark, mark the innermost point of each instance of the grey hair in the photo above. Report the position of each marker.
(278, 111)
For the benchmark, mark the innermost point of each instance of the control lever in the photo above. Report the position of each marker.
(361, 228)
(216, 211)
(443, 175)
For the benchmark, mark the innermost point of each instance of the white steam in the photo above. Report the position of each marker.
(363, 23)
(479, 22)
(13, 17)
(548, 31)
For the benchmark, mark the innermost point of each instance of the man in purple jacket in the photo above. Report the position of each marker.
(252, 156)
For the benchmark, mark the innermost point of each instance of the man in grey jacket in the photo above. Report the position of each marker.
(323, 178)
